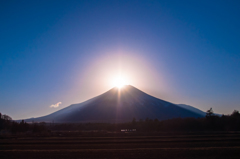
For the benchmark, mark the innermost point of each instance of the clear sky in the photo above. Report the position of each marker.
(59, 52)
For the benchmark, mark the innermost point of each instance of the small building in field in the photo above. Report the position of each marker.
(128, 130)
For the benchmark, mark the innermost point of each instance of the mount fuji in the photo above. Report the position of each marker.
(119, 105)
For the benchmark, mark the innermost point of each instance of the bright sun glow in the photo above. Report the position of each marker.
(120, 82)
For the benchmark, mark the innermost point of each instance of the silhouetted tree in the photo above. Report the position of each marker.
(6, 117)
(235, 113)
(209, 112)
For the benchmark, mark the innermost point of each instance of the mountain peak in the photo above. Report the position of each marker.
(124, 87)
(119, 105)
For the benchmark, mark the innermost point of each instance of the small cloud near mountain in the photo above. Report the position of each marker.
(55, 105)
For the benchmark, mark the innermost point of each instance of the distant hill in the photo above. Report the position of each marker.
(120, 105)
(193, 109)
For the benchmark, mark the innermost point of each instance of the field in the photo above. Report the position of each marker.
(123, 145)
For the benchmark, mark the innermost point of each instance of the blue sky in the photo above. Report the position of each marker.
(66, 51)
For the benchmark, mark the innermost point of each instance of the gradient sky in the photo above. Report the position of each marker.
(59, 52)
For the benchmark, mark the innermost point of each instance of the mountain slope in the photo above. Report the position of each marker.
(119, 106)
(193, 109)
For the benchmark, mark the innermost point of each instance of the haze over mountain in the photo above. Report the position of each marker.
(119, 105)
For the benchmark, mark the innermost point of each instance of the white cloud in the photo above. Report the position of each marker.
(55, 105)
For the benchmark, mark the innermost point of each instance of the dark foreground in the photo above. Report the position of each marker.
(128, 145)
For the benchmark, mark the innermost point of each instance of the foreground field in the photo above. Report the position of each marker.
(164, 146)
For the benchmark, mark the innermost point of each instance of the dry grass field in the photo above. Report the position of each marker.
(129, 145)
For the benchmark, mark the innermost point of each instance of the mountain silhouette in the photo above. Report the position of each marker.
(118, 105)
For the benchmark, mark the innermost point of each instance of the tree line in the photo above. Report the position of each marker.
(210, 122)
(8, 125)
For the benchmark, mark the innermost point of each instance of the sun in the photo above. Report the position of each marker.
(119, 82)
